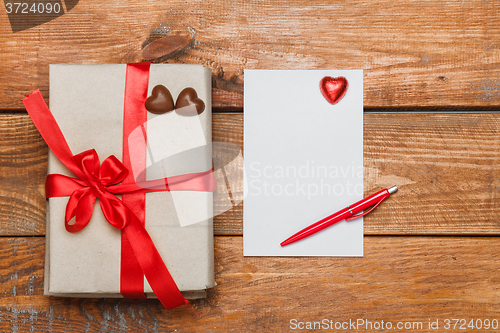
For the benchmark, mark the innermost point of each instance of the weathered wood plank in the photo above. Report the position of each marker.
(402, 279)
(23, 167)
(447, 167)
(415, 54)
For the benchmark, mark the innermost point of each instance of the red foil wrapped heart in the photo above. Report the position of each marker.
(333, 89)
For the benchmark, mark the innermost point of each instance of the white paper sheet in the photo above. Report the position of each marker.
(303, 161)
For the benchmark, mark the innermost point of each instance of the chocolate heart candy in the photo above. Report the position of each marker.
(333, 88)
(160, 101)
(187, 97)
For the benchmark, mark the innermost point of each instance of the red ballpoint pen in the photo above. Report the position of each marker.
(348, 213)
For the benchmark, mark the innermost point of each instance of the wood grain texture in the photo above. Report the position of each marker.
(23, 167)
(415, 54)
(447, 167)
(421, 278)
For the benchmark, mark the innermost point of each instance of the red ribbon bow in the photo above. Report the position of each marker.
(94, 185)
(102, 181)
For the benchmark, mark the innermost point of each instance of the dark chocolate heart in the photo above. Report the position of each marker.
(333, 88)
(160, 101)
(188, 96)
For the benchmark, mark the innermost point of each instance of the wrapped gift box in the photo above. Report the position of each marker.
(87, 102)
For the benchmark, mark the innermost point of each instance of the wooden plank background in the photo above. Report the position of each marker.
(447, 168)
(421, 278)
(431, 252)
(415, 53)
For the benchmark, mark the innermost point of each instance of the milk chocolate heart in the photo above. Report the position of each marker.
(333, 89)
(187, 97)
(160, 101)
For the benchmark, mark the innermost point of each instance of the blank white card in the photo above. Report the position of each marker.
(303, 161)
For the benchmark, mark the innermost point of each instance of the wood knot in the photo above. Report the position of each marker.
(168, 46)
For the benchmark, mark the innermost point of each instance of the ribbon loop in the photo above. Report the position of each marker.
(115, 212)
(113, 171)
(80, 206)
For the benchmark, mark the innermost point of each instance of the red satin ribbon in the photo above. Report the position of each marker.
(134, 116)
(101, 181)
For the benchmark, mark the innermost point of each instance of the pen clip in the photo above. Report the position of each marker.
(363, 214)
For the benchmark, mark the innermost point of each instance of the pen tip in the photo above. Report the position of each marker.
(392, 189)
